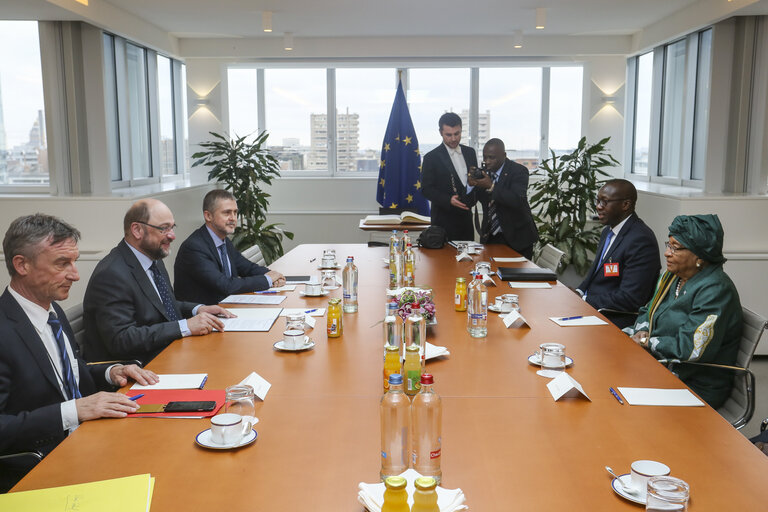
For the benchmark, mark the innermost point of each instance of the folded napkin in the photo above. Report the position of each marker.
(371, 496)
(432, 351)
(463, 257)
(488, 280)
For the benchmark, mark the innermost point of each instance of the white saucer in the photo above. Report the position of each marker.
(327, 288)
(308, 344)
(619, 489)
(304, 294)
(204, 439)
(492, 307)
(534, 360)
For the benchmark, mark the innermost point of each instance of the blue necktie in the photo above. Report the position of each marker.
(164, 290)
(225, 259)
(605, 249)
(69, 376)
(494, 218)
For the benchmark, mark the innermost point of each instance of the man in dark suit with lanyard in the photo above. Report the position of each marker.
(46, 390)
(627, 262)
(503, 192)
(444, 181)
(208, 267)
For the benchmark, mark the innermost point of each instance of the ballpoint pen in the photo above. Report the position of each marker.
(566, 318)
(136, 397)
(616, 395)
(313, 259)
(266, 292)
(310, 310)
(205, 379)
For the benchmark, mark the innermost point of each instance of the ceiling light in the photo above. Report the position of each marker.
(266, 21)
(541, 17)
(288, 41)
(517, 39)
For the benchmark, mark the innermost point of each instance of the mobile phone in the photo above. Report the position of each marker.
(201, 406)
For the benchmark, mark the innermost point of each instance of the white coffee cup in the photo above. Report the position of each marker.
(229, 429)
(293, 339)
(313, 289)
(642, 470)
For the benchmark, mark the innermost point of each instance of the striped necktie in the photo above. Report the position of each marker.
(495, 223)
(69, 376)
(164, 291)
(225, 259)
(605, 249)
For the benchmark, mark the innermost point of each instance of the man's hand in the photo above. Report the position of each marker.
(485, 182)
(104, 405)
(119, 374)
(277, 278)
(458, 204)
(206, 321)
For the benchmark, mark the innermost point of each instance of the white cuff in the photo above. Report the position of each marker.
(69, 415)
(184, 329)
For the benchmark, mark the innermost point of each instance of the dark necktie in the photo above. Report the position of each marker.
(164, 290)
(225, 259)
(492, 215)
(605, 249)
(69, 376)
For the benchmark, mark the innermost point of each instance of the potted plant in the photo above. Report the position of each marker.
(243, 167)
(563, 201)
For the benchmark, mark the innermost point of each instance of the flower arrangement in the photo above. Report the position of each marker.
(423, 298)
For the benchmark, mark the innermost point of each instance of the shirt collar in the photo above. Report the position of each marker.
(144, 260)
(216, 240)
(453, 150)
(620, 225)
(36, 314)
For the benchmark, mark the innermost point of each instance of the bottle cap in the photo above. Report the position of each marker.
(395, 482)
(396, 379)
(461, 280)
(427, 379)
(412, 348)
(350, 258)
(425, 483)
(415, 305)
(334, 300)
(392, 348)
(478, 276)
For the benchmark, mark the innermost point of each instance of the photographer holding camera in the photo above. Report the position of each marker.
(501, 186)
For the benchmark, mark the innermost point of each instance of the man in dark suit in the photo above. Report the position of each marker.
(46, 390)
(208, 267)
(627, 262)
(444, 180)
(503, 192)
(129, 310)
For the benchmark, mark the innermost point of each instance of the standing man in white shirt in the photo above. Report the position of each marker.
(46, 390)
(444, 180)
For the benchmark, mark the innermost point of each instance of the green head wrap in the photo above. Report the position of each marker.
(701, 234)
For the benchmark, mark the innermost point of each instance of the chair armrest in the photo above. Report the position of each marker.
(34, 454)
(130, 361)
(738, 369)
(764, 425)
(612, 311)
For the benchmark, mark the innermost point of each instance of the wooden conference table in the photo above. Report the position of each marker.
(506, 443)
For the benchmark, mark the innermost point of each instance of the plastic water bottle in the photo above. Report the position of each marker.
(409, 257)
(349, 285)
(426, 419)
(395, 424)
(396, 268)
(477, 308)
(414, 335)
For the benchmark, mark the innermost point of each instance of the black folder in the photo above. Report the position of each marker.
(526, 274)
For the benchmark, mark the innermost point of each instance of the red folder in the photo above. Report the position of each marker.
(163, 396)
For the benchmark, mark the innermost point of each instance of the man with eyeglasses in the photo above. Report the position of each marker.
(129, 308)
(627, 261)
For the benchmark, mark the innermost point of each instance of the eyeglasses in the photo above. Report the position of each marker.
(164, 230)
(673, 249)
(603, 202)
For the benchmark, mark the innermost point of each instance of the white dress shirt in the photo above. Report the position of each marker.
(458, 162)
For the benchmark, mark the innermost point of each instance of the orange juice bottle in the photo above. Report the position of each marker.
(391, 363)
(395, 495)
(412, 370)
(334, 318)
(425, 496)
(460, 295)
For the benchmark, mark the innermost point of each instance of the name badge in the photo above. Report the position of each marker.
(611, 270)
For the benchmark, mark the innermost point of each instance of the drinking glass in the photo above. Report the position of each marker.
(667, 493)
(552, 356)
(240, 399)
(328, 278)
(294, 321)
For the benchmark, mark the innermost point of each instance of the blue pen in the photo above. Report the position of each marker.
(616, 396)
(311, 310)
(136, 397)
(205, 379)
(268, 291)
(566, 318)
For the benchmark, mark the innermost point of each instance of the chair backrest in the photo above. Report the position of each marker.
(75, 318)
(740, 405)
(254, 254)
(550, 257)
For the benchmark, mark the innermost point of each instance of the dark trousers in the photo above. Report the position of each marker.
(498, 238)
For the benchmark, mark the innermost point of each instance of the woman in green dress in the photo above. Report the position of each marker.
(695, 313)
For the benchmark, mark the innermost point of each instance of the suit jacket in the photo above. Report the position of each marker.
(510, 195)
(438, 179)
(199, 273)
(123, 315)
(637, 253)
(30, 396)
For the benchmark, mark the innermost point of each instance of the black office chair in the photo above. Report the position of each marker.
(14, 466)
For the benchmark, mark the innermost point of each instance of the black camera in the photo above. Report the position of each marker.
(477, 173)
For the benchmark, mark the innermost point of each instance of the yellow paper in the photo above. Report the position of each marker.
(132, 493)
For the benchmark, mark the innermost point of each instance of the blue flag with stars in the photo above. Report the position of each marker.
(400, 166)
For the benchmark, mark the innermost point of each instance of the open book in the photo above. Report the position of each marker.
(403, 218)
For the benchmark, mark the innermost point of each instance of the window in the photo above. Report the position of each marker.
(293, 105)
(138, 110)
(23, 145)
(165, 110)
(670, 114)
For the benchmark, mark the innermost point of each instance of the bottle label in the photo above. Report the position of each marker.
(414, 380)
(333, 326)
(383, 455)
(435, 454)
(457, 299)
(350, 296)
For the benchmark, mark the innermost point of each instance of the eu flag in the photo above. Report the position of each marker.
(400, 166)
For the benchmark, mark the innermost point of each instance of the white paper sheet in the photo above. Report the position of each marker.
(655, 396)
(565, 386)
(510, 260)
(310, 311)
(177, 381)
(284, 288)
(254, 299)
(258, 383)
(584, 320)
(529, 284)
(251, 319)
